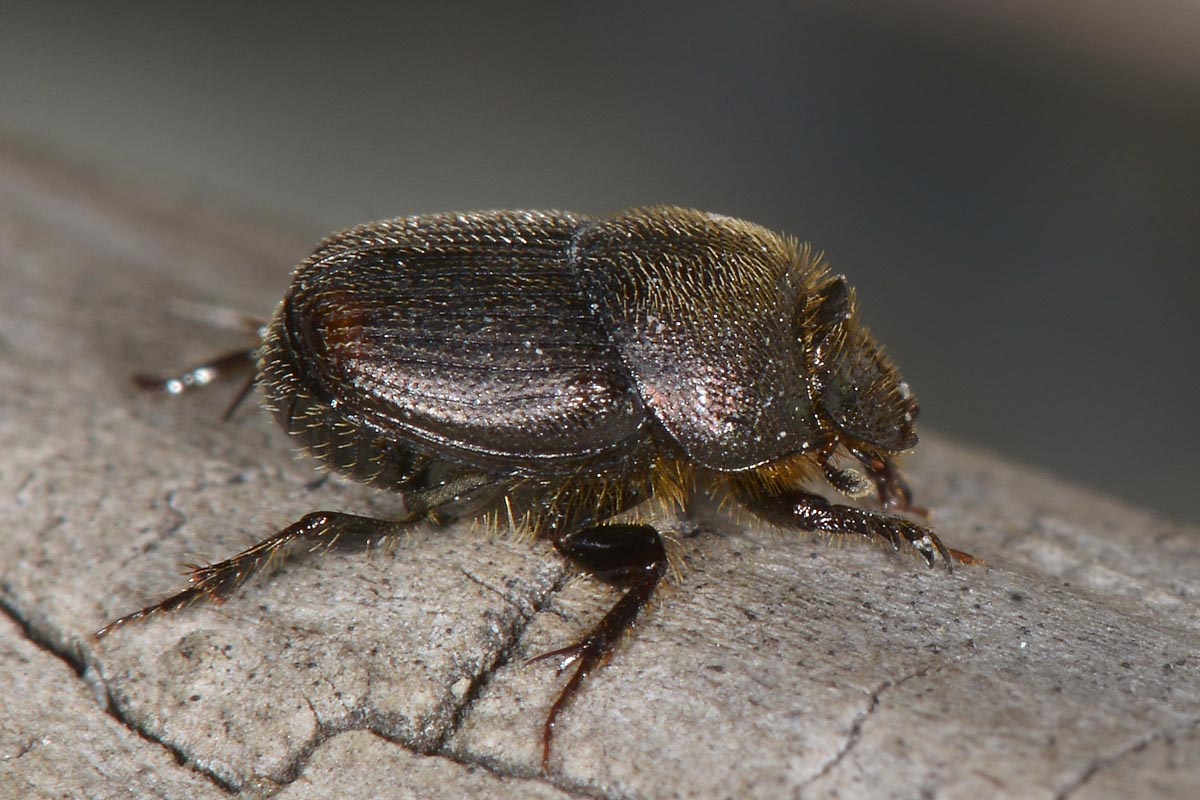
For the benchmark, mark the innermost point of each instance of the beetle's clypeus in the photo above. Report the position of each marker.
(566, 369)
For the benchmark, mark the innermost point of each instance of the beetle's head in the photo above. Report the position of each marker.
(854, 387)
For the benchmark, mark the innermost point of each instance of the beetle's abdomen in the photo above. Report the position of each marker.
(463, 335)
(324, 430)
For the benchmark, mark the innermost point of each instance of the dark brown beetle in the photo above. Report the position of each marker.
(567, 369)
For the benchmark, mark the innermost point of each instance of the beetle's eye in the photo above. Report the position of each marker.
(836, 304)
(861, 389)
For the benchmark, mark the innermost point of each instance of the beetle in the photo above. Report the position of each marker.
(568, 369)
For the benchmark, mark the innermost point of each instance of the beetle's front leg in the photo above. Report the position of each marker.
(811, 512)
(892, 489)
(631, 554)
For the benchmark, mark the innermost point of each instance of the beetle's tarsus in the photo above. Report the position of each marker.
(965, 558)
(187, 597)
(811, 512)
(633, 552)
(232, 363)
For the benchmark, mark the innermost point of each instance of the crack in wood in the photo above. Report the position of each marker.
(1102, 763)
(873, 702)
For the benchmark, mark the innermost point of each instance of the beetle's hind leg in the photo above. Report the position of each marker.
(224, 367)
(323, 530)
(633, 555)
(811, 512)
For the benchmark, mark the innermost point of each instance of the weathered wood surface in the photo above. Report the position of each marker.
(777, 666)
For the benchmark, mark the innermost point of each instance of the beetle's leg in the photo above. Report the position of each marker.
(891, 486)
(323, 530)
(632, 554)
(238, 362)
(811, 512)
(849, 482)
(218, 368)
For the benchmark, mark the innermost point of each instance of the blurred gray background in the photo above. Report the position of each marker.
(1014, 190)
